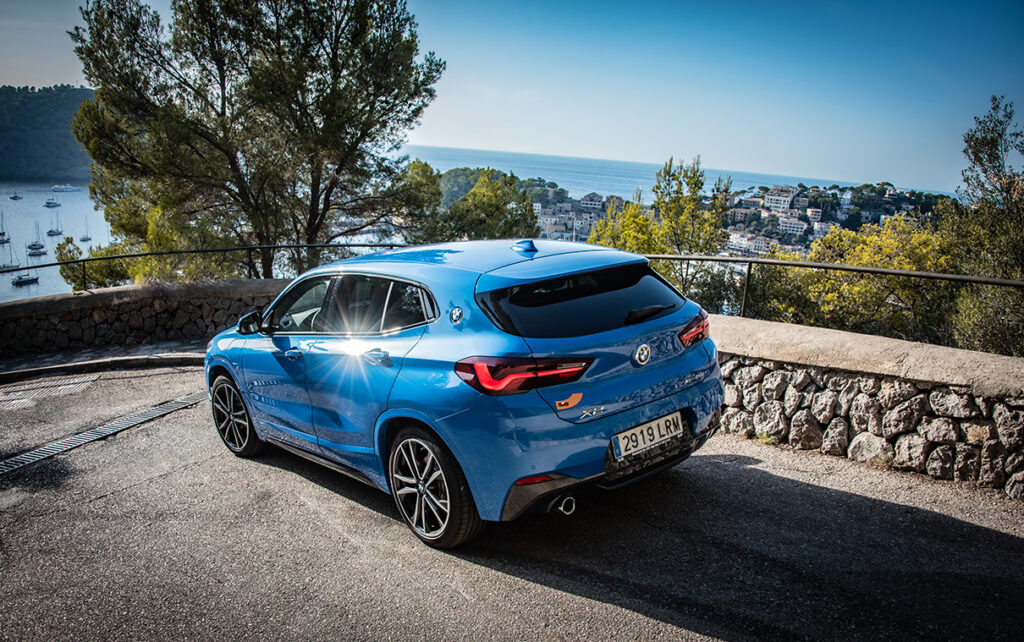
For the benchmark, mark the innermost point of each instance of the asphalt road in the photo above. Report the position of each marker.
(160, 533)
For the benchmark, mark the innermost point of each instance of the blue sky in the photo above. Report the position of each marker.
(859, 91)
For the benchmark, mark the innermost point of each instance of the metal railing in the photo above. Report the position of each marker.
(749, 261)
(837, 267)
(248, 249)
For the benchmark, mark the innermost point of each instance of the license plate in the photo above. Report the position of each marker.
(652, 433)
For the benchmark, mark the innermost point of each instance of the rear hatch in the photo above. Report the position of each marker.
(605, 315)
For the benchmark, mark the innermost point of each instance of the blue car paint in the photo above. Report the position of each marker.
(496, 439)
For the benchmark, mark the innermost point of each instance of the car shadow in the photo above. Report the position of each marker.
(721, 547)
(368, 496)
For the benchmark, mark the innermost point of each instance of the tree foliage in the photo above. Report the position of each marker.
(98, 274)
(497, 206)
(691, 222)
(628, 227)
(35, 133)
(905, 308)
(256, 122)
(987, 232)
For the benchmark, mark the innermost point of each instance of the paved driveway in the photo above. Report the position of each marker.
(160, 533)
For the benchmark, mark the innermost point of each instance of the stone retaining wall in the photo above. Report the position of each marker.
(129, 315)
(951, 414)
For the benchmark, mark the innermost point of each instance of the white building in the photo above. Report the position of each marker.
(760, 245)
(814, 214)
(845, 198)
(821, 229)
(779, 198)
(592, 201)
(791, 225)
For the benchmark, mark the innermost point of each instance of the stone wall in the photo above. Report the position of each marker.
(129, 315)
(951, 414)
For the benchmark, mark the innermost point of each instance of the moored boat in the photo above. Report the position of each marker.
(56, 229)
(36, 247)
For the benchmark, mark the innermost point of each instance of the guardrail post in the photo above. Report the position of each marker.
(85, 286)
(746, 284)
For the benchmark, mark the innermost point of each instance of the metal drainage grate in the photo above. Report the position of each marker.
(84, 437)
(23, 395)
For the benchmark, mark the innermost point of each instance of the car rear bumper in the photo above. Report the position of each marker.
(522, 498)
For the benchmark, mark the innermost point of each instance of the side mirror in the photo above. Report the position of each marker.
(249, 323)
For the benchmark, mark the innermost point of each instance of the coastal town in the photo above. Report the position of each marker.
(784, 216)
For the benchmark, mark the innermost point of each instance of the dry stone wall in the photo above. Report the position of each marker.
(129, 315)
(944, 431)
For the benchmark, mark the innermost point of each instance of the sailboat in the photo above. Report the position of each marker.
(25, 278)
(4, 236)
(55, 230)
(11, 264)
(85, 237)
(36, 247)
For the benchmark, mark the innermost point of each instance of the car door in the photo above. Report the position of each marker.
(274, 363)
(375, 322)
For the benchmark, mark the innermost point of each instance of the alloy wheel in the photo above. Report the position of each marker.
(230, 417)
(420, 488)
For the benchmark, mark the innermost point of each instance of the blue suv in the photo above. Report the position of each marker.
(474, 380)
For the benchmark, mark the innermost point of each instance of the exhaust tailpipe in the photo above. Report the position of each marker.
(564, 504)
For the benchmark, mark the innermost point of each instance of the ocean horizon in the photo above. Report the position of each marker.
(580, 176)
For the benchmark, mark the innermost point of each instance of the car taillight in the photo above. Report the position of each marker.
(514, 375)
(696, 330)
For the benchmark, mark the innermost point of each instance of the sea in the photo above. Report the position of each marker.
(579, 176)
(21, 218)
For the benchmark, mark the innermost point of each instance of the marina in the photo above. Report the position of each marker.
(76, 217)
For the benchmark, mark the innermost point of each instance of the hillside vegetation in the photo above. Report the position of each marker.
(35, 133)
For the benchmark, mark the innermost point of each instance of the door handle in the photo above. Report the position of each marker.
(378, 356)
(293, 354)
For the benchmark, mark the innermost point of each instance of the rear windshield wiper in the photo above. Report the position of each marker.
(642, 314)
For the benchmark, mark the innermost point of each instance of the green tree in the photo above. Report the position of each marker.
(98, 274)
(913, 309)
(987, 232)
(691, 223)
(35, 133)
(626, 226)
(256, 122)
(496, 207)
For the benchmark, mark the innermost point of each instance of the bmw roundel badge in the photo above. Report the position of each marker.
(456, 315)
(643, 354)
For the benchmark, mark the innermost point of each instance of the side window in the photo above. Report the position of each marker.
(357, 304)
(405, 307)
(300, 308)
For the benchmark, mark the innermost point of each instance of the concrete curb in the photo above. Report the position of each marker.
(112, 363)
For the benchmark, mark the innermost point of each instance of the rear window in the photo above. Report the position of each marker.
(581, 304)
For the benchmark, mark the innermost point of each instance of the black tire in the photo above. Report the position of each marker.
(424, 478)
(231, 418)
